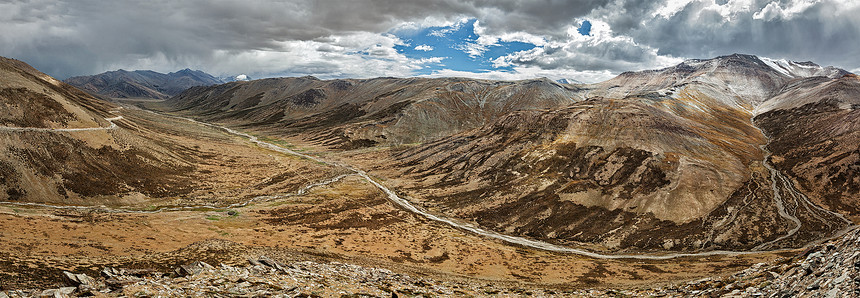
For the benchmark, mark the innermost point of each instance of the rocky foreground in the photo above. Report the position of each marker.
(831, 269)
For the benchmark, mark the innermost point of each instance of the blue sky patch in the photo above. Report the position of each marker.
(585, 28)
(458, 44)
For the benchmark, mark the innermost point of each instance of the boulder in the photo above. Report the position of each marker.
(79, 279)
(272, 263)
(192, 269)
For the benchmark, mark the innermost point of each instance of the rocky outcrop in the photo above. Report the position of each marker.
(265, 277)
(831, 269)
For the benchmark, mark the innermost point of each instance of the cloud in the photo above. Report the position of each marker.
(786, 11)
(528, 72)
(67, 38)
(825, 31)
(424, 47)
(359, 38)
(600, 50)
(473, 49)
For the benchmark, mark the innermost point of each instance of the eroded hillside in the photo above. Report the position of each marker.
(60, 145)
(667, 159)
(648, 177)
(350, 114)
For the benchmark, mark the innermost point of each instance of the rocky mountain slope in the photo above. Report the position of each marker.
(666, 159)
(814, 125)
(732, 153)
(677, 158)
(142, 83)
(60, 145)
(350, 114)
(40, 162)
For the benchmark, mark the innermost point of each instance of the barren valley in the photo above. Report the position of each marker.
(652, 179)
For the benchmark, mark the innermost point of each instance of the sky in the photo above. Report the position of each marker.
(587, 40)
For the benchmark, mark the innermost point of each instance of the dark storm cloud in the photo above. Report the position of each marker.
(81, 37)
(826, 32)
(545, 17)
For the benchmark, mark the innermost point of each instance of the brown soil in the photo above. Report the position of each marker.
(349, 221)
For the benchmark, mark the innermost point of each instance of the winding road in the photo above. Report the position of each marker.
(110, 120)
(405, 204)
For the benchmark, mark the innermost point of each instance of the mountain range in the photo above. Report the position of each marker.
(142, 83)
(731, 153)
(694, 170)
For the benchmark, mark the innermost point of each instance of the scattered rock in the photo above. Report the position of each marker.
(833, 263)
(271, 263)
(192, 269)
(79, 279)
(254, 262)
(66, 290)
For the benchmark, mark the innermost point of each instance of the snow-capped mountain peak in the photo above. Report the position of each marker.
(567, 81)
(801, 69)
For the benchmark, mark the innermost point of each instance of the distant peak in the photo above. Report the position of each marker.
(744, 56)
(568, 81)
(186, 71)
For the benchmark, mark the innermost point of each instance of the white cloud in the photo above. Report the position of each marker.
(529, 72)
(430, 60)
(775, 10)
(670, 8)
(358, 55)
(424, 47)
(449, 29)
(474, 49)
(601, 50)
(485, 38)
(262, 37)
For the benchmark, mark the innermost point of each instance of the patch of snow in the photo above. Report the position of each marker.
(778, 65)
(799, 70)
(568, 81)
